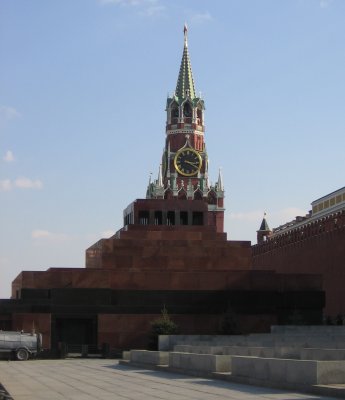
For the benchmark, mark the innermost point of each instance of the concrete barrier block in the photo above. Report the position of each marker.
(301, 371)
(227, 350)
(318, 339)
(266, 352)
(149, 357)
(235, 350)
(275, 370)
(164, 342)
(200, 362)
(216, 350)
(184, 348)
(308, 329)
(223, 363)
(322, 354)
(261, 370)
(198, 349)
(243, 366)
(291, 352)
(329, 372)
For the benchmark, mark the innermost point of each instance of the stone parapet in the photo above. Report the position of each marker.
(196, 363)
(149, 357)
(300, 372)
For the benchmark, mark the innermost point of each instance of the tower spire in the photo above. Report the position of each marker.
(264, 225)
(160, 177)
(264, 231)
(185, 31)
(220, 185)
(185, 82)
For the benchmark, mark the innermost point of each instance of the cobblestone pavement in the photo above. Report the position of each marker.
(86, 379)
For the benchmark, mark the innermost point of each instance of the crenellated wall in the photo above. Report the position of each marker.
(317, 247)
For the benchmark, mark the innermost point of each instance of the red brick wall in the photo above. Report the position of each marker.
(322, 253)
(132, 331)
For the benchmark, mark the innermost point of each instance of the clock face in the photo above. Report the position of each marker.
(187, 162)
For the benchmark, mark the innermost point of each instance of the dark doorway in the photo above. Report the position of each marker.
(76, 331)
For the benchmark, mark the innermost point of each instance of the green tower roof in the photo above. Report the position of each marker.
(185, 81)
(264, 225)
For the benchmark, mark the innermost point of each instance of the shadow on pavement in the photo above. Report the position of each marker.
(245, 389)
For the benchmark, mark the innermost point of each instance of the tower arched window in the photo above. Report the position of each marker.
(198, 195)
(174, 113)
(212, 198)
(199, 116)
(182, 195)
(187, 110)
(168, 194)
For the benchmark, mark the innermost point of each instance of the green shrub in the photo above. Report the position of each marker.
(161, 326)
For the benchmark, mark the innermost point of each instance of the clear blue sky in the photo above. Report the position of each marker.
(83, 86)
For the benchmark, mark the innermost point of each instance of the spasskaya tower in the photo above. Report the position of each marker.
(183, 172)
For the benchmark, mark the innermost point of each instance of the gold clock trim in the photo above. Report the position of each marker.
(185, 150)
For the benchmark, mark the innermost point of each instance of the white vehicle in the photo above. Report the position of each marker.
(22, 345)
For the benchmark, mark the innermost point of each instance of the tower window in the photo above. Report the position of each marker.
(168, 194)
(199, 116)
(198, 195)
(182, 195)
(212, 198)
(187, 110)
(174, 112)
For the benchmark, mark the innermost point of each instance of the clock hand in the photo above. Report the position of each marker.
(194, 164)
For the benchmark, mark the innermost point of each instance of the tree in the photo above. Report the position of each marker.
(161, 326)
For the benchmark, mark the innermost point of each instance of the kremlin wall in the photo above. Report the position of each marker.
(314, 243)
